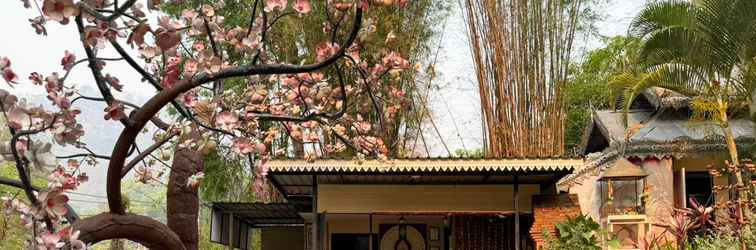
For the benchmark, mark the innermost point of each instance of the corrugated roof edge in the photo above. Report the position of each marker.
(439, 158)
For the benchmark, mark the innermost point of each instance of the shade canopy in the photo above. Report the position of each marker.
(624, 170)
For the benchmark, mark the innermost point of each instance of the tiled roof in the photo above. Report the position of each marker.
(425, 165)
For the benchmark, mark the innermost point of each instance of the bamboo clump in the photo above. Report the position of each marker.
(521, 51)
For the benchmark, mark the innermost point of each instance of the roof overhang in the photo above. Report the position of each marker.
(258, 214)
(294, 178)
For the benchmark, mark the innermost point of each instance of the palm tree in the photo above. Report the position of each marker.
(703, 49)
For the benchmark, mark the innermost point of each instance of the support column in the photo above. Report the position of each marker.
(315, 217)
(370, 232)
(516, 198)
(231, 231)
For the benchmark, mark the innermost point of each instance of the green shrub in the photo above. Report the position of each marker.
(579, 233)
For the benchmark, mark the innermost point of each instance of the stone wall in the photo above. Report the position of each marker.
(548, 210)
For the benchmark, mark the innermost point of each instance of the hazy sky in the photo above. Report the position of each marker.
(455, 106)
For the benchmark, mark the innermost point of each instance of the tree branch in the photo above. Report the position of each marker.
(145, 153)
(156, 103)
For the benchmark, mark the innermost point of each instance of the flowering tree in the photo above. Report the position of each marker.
(187, 61)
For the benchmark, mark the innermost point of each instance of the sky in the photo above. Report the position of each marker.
(454, 105)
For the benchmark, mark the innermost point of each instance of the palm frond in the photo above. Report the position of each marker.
(658, 15)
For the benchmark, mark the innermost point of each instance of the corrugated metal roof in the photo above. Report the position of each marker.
(667, 127)
(424, 165)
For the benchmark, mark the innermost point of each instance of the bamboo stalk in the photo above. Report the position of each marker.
(521, 53)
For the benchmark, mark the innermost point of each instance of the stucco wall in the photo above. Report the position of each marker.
(589, 196)
(282, 238)
(426, 198)
(660, 183)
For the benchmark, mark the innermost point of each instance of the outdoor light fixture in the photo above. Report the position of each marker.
(622, 186)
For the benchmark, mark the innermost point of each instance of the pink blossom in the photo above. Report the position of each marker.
(190, 67)
(36, 78)
(194, 181)
(137, 36)
(4, 62)
(68, 60)
(115, 111)
(188, 14)
(242, 145)
(60, 10)
(364, 127)
(38, 24)
(7, 72)
(59, 100)
(73, 240)
(303, 6)
(9, 75)
(208, 10)
(190, 98)
(18, 118)
(49, 241)
(274, 5)
(226, 120)
(94, 36)
(325, 50)
(54, 203)
(113, 82)
(172, 73)
(167, 38)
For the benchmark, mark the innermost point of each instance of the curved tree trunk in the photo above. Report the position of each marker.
(141, 229)
(183, 202)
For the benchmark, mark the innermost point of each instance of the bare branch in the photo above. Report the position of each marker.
(146, 152)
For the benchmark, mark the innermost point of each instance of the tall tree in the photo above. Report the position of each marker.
(521, 50)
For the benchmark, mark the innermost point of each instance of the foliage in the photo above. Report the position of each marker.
(578, 233)
(587, 88)
(470, 153)
(226, 179)
(727, 237)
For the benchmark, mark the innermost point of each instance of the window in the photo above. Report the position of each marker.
(698, 185)
(352, 242)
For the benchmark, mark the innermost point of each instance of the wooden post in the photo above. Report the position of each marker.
(516, 198)
(370, 232)
(684, 189)
(231, 231)
(315, 217)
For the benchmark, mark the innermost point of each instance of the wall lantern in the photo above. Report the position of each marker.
(622, 188)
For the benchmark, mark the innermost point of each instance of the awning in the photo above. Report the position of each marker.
(295, 177)
(261, 214)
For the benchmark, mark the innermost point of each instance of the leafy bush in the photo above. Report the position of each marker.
(579, 233)
(726, 236)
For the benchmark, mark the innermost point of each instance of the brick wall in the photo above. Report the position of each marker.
(548, 210)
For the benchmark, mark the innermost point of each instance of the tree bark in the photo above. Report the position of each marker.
(141, 229)
(183, 201)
